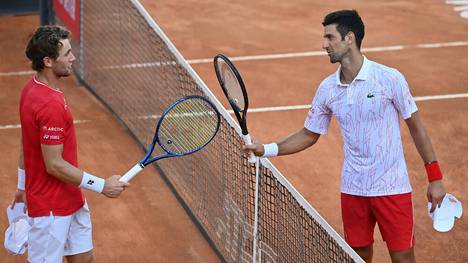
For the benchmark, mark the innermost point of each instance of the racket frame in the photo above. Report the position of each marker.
(241, 118)
(147, 160)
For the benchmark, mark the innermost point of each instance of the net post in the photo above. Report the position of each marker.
(46, 12)
(82, 63)
(256, 204)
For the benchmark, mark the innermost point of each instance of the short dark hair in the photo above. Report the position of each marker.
(346, 20)
(45, 42)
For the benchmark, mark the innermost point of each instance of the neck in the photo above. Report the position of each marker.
(49, 78)
(350, 67)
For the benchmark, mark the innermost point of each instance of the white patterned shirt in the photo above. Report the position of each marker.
(368, 112)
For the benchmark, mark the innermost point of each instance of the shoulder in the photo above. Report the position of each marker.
(53, 106)
(40, 90)
(34, 96)
(325, 88)
(386, 72)
(327, 83)
(28, 89)
(330, 80)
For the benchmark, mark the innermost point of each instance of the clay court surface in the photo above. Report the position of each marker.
(147, 224)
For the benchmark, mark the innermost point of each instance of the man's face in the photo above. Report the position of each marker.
(62, 66)
(335, 46)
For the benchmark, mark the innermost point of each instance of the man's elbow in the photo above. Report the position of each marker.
(54, 167)
(312, 137)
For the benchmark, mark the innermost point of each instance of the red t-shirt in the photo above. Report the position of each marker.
(46, 119)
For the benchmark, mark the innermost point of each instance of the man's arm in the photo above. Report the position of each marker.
(21, 158)
(58, 167)
(421, 138)
(19, 196)
(64, 171)
(296, 142)
(435, 191)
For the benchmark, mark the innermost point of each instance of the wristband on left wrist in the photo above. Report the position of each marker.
(433, 171)
(21, 179)
(93, 183)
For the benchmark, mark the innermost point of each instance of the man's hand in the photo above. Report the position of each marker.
(19, 197)
(435, 194)
(113, 187)
(257, 149)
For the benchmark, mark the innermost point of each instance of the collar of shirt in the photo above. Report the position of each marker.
(362, 75)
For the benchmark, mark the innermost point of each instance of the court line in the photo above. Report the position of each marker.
(268, 56)
(323, 53)
(307, 106)
(277, 108)
(461, 8)
(457, 2)
(17, 73)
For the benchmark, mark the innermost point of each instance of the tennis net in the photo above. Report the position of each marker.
(129, 64)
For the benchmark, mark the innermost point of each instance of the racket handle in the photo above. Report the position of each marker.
(248, 140)
(131, 173)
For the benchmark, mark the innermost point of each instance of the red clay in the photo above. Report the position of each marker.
(160, 231)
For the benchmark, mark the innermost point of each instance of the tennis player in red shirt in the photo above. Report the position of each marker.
(48, 178)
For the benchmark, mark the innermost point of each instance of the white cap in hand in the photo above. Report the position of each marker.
(16, 235)
(444, 216)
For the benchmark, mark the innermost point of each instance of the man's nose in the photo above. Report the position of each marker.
(325, 44)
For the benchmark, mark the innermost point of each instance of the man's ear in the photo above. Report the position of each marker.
(47, 62)
(350, 38)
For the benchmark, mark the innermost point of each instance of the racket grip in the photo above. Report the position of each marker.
(247, 141)
(131, 173)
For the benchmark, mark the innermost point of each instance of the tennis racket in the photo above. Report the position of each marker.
(234, 89)
(185, 127)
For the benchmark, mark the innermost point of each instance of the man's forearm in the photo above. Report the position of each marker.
(421, 138)
(424, 146)
(64, 171)
(298, 141)
(20, 155)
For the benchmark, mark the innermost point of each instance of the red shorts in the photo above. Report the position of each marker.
(393, 213)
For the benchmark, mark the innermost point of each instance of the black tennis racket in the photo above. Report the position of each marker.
(234, 89)
(185, 127)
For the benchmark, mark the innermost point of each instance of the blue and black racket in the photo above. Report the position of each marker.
(185, 127)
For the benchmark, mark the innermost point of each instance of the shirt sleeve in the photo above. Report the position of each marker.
(51, 120)
(401, 96)
(319, 116)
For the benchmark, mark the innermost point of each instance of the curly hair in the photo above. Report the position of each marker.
(45, 42)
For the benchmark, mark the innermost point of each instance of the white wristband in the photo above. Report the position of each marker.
(271, 150)
(21, 179)
(92, 182)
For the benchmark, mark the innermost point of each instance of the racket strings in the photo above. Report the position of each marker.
(232, 86)
(188, 126)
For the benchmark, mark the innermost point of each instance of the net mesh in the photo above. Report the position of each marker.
(132, 70)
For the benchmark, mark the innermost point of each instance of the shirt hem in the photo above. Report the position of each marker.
(321, 132)
(60, 212)
(394, 192)
(408, 115)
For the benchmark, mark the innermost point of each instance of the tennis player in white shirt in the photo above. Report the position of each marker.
(367, 99)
